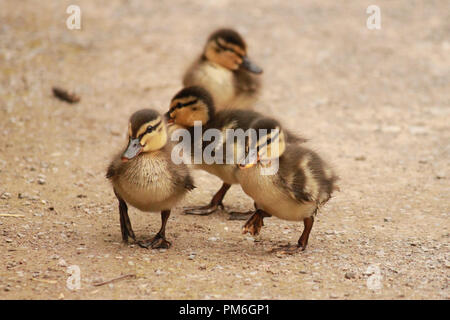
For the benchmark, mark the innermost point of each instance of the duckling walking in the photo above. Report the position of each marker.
(225, 70)
(302, 183)
(193, 104)
(145, 177)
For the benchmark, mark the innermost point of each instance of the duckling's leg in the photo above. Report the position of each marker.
(215, 203)
(303, 241)
(159, 240)
(125, 223)
(255, 223)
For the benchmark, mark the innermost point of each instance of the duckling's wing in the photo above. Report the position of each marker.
(181, 177)
(111, 172)
(233, 119)
(179, 173)
(295, 188)
(293, 175)
(305, 176)
(189, 183)
(113, 167)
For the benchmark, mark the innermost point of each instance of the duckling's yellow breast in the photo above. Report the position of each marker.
(217, 80)
(146, 183)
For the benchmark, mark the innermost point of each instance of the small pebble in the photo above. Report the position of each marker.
(5, 195)
(440, 175)
(62, 263)
(350, 275)
(23, 195)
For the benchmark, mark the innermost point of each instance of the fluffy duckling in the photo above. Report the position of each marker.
(300, 184)
(225, 70)
(196, 104)
(145, 177)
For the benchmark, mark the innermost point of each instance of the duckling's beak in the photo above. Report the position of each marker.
(169, 120)
(133, 149)
(244, 165)
(250, 66)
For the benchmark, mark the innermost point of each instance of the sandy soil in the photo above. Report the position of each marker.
(376, 104)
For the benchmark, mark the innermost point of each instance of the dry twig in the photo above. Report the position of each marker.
(115, 279)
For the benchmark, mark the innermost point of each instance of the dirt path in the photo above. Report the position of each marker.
(376, 104)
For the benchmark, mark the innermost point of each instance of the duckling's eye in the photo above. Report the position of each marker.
(179, 105)
(194, 108)
(149, 129)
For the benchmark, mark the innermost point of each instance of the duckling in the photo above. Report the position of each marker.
(196, 104)
(300, 185)
(225, 70)
(145, 177)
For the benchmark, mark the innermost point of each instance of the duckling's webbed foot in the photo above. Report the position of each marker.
(159, 241)
(216, 203)
(125, 223)
(288, 249)
(255, 223)
(241, 215)
(302, 242)
(203, 210)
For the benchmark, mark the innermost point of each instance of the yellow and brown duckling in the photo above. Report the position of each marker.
(145, 177)
(300, 184)
(225, 70)
(196, 104)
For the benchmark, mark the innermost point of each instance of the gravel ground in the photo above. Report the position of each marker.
(375, 103)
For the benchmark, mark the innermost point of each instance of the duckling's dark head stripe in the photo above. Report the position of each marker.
(180, 105)
(141, 117)
(227, 48)
(229, 36)
(200, 94)
(152, 128)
